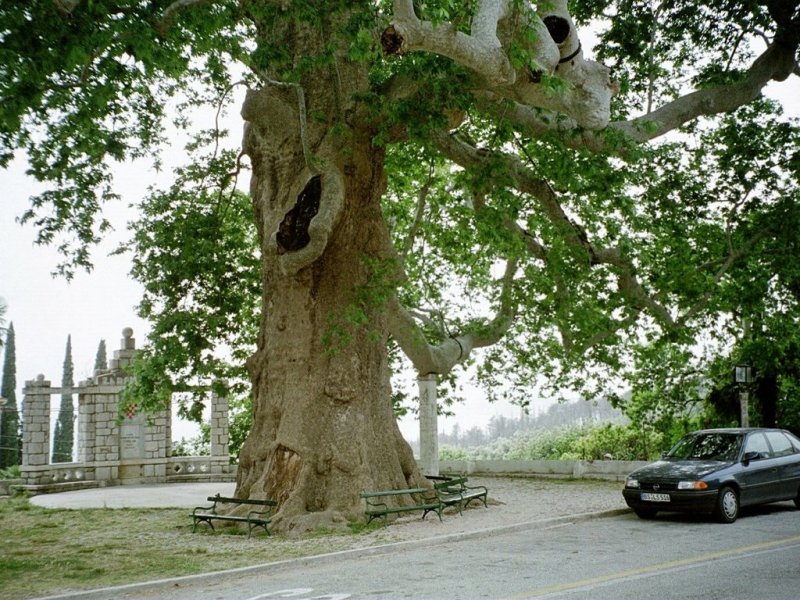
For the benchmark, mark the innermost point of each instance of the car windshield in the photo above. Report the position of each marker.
(707, 446)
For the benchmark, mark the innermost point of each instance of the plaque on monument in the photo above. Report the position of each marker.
(131, 441)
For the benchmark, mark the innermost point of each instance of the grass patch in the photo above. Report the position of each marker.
(358, 527)
(50, 551)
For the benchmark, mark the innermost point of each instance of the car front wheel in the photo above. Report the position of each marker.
(797, 499)
(727, 505)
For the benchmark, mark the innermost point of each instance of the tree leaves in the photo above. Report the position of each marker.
(196, 252)
(82, 88)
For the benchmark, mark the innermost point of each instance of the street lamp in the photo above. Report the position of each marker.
(743, 376)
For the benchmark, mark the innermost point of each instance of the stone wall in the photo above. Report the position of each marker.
(614, 470)
(114, 449)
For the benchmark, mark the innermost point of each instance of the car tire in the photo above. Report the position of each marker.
(727, 505)
(645, 513)
(797, 499)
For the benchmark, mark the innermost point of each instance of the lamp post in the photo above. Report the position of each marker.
(743, 376)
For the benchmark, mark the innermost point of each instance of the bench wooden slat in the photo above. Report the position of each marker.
(454, 491)
(254, 518)
(375, 508)
(394, 492)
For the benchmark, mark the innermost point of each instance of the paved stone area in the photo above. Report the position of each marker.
(172, 495)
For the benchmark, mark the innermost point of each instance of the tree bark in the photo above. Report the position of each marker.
(323, 423)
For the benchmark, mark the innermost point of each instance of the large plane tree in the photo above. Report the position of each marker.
(445, 176)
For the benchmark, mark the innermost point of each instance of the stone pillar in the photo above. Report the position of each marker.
(36, 423)
(124, 356)
(219, 425)
(744, 408)
(428, 424)
(86, 424)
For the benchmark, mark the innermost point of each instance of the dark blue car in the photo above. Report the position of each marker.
(718, 471)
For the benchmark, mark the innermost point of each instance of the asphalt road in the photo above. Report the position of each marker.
(621, 557)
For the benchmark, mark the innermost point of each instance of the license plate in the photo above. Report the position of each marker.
(650, 497)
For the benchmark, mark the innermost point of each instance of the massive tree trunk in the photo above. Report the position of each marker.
(323, 427)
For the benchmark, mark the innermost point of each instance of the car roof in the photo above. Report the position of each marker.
(737, 430)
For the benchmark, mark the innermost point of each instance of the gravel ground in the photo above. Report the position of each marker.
(512, 501)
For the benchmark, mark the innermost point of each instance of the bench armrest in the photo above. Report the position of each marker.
(372, 505)
(477, 487)
(212, 508)
(260, 513)
(429, 495)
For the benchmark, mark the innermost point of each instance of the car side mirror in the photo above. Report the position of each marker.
(748, 456)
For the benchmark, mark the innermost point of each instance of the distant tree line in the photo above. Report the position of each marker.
(577, 413)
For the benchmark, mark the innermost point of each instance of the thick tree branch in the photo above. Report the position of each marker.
(442, 357)
(776, 63)
(404, 9)
(408, 34)
(553, 49)
(628, 284)
(575, 236)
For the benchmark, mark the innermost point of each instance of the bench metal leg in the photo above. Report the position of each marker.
(198, 519)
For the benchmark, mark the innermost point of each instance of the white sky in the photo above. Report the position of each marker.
(98, 305)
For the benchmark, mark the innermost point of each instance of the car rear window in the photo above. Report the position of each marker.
(781, 444)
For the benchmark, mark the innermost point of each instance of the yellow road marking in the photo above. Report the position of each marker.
(665, 566)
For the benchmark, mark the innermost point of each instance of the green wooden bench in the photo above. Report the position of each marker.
(254, 518)
(454, 491)
(424, 499)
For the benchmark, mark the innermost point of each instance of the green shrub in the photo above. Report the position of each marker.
(11, 472)
(452, 453)
(596, 442)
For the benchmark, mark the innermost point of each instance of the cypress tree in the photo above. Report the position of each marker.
(100, 360)
(62, 439)
(10, 441)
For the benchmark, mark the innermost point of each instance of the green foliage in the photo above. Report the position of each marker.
(63, 436)
(240, 420)
(621, 442)
(196, 253)
(101, 359)
(683, 382)
(199, 445)
(652, 50)
(10, 435)
(86, 84)
(12, 472)
(452, 453)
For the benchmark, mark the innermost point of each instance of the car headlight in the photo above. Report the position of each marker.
(692, 485)
(631, 483)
